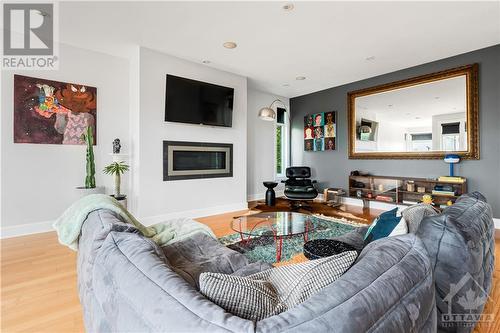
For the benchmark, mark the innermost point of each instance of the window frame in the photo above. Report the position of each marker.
(285, 146)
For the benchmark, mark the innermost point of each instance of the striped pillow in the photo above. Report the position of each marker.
(296, 283)
(275, 290)
(241, 296)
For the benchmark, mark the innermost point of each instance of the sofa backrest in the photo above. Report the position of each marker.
(127, 284)
(460, 243)
(389, 289)
(94, 231)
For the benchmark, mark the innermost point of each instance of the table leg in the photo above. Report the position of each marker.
(306, 233)
(279, 247)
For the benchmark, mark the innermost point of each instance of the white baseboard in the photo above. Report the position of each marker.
(26, 229)
(373, 204)
(194, 213)
(262, 196)
(46, 226)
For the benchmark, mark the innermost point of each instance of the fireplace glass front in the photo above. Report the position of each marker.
(189, 160)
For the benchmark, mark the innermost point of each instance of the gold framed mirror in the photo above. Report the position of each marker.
(424, 117)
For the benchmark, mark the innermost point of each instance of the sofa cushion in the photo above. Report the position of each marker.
(355, 238)
(137, 290)
(460, 243)
(201, 253)
(274, 290)
(388, 289)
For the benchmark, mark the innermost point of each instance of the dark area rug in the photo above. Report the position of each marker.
(263, 247)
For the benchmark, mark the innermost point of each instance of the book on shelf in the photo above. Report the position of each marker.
(451, 179)
(410, 202)
(449, 193)
(384, 198)
(446, 188)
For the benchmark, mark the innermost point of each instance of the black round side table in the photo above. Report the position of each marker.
(270, 194)
(320, 248)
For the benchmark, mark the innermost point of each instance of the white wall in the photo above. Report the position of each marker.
(159, 200)
(390, 137)
(261, 163)
(43, 177)
(38, 180)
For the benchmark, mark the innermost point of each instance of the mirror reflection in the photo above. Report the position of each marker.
(420, 118)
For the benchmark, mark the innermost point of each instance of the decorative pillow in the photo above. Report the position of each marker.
(383, 225)
(401, 228)
(416, 213)
(244, 297)
(296, 283)
(273, 291)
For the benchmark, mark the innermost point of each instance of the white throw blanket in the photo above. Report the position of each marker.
(69, 225)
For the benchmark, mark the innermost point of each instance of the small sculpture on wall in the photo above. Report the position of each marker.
(116, 146)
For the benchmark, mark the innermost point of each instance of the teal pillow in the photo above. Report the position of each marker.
(383, 225)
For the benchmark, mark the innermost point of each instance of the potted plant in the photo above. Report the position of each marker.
(90, 187)
(117, 169)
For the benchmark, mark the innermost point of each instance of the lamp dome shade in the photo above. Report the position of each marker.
(452, 158)
(267, 114)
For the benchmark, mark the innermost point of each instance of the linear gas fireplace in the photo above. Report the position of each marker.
(190, 160)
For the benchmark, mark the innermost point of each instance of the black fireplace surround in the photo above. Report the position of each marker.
(193, 160)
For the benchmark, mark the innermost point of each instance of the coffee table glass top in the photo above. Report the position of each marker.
(274, 224)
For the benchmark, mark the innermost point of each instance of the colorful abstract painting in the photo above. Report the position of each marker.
(53, 112)
(320, 130)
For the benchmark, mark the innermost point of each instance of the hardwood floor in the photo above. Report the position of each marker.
(39, 291)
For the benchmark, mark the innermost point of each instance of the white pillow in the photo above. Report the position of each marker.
(400, 229)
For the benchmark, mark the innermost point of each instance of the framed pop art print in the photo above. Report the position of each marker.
(320, 131)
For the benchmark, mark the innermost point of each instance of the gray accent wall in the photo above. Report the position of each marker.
(332, 168)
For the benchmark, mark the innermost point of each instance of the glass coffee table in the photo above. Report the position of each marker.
(279, 225)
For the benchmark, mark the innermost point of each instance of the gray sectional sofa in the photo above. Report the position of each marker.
(129, 284)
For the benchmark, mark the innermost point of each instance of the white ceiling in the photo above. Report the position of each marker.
(328, 42)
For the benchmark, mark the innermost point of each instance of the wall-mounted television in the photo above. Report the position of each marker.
(196, 102)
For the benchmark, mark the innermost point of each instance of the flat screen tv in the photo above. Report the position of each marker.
(195, 102)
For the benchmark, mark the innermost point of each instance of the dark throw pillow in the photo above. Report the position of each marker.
(383, 225)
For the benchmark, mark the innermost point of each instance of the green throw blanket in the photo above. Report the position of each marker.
(69, 225)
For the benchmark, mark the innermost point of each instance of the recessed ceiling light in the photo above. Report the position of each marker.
(229, 45)
(371, 58)
(286, 85)
(437, 97)
(390, 105)
(300, 78)
(206, 61)
(417, 117)
(288, 7)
